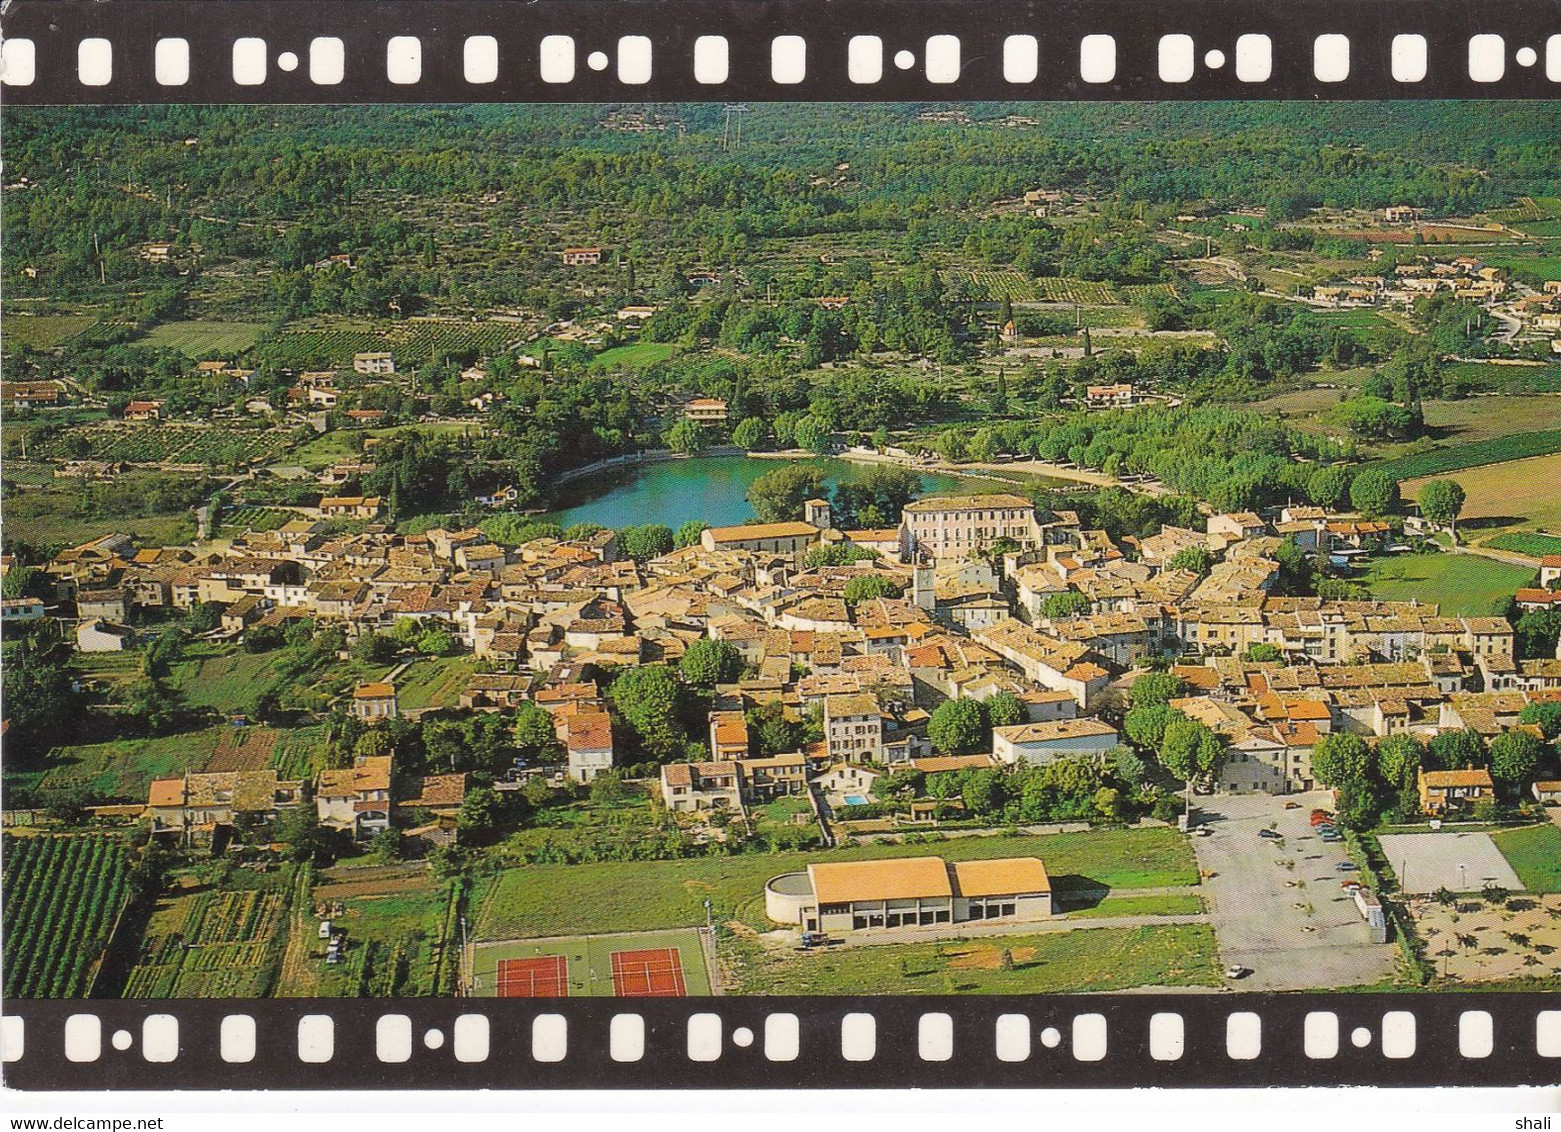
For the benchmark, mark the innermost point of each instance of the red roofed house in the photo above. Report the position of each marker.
(1549, 569)
(144, 411)
(587, 738)
(686, 787)
(350, 507)
(374, 702)
(1531, 598)
(1442, 790)
(357, 799)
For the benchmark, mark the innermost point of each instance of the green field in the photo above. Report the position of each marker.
(1093, 959)
(124, 768)
(205, 339)
(299, 753)
(1534, 852)
(243, 519)
(44, 331)
(113, 668)
(391, 942)
(637, 356)
(230, 680)
(590, 960)
(615, 896)
(1526, 543)
(1535, 267)
(223, 678)
(1170, 904)
(49, 518)
(1464, 585)
(434, 682)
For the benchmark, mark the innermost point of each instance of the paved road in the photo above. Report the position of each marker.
(1257, 923)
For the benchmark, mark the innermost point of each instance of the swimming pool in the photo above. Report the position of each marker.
(855, 800)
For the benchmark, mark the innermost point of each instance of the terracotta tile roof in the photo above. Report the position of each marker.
(968, 503)
(1054, 730)
(1005, 876)
(941, 764)
(589, 731)
(754, 531)
(898, 878)
(1442, 779)
(166, 792)
(837, 706)
(439, 790)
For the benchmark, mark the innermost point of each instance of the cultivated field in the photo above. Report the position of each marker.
(399, 935)
(123, 768)
(1086, 959)
(244, 748)
(168, 443)
(43, 331)
(205, 339)
(1021, 288)
(1463, 585)
(330, 342)
(243, 519)
(61, 897)
(434, 682)
(1534, 545)
(223, 678)
(1520, 493)
(634, 357)
(210, 945)
(616, 896)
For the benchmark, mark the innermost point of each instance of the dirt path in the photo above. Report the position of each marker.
(1507, 556)
(300, 977)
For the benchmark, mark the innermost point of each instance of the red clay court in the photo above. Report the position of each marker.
(657, 973)
(546, 976)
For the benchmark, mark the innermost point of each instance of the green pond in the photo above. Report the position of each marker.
(712, 489)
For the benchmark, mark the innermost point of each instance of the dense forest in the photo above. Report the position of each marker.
(283, 177)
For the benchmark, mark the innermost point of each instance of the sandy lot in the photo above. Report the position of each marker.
(1474, 940)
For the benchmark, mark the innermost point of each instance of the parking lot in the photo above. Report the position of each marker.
(1458, 862)
(1278, 906)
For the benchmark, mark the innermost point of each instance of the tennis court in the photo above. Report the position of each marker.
(543, 977)
(652, 973)
(657, 964)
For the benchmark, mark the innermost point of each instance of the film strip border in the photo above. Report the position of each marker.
(1063, 1041)
(218, 51)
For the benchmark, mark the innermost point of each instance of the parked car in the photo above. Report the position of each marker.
(1272, 835)
(1331, 839)
(1350, 885)
(1347, 867)
(1237, 971)
(1318, 817)
(1292, 805)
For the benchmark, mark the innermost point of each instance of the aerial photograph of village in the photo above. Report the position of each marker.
(657, 550)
